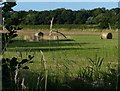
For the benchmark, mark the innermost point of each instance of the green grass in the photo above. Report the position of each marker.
(66, 26)
(79, 50)
(65, 59)
(63, 26)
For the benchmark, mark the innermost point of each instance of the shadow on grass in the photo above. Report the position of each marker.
(45, 45)
(51, 43)
(53, 49)
(34, 81)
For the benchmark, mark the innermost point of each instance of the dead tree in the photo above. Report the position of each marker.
(51, 23)
(61, 34)
(50, 33)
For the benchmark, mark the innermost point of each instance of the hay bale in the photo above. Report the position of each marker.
(106, 36)
(28, 38)
(38, 36)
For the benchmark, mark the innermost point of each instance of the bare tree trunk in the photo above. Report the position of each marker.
(51, 23)
(109, 26)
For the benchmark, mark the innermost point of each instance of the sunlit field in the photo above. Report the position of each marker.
(65, 57)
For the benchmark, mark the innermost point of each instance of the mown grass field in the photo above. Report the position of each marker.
(81, 47)
(66, 57)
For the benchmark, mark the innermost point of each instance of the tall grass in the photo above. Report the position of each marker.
(60, 76)
(87, 77)
(44, 66)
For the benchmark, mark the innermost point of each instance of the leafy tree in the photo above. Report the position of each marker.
(104, 23)
(97, 11)
(98, 18)
(6, 9)
(10, 67)
(117, 21)
(67, 16)
(90, 20)
(8, 6)
(63, 16)
(81, 17)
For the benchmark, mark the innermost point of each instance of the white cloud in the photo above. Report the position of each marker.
(67, 0)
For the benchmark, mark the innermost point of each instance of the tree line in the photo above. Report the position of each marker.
(104, 18)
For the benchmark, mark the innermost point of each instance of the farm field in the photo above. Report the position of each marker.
(59, 48)
(65, 57)
(79, 48)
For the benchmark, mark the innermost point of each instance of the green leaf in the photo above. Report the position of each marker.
(100, 63)
(24, 61)
(31, 62)
(26, 67)
(30, 57)
(91, 61)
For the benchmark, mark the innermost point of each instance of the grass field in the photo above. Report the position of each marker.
(65, 58)
(64, 26)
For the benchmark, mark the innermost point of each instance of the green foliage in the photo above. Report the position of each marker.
(104, 23)
(96, 16)
(7, 6)
(11, 67)
(11, 21)
(96, 63)
(6, 9)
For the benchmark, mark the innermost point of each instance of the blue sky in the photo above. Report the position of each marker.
(66, 0)
(41, 6)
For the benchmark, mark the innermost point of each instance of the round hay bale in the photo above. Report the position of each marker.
(27, 38)
(38, 36)
(106, 36)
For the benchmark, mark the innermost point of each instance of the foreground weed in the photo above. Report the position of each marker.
(11, 68)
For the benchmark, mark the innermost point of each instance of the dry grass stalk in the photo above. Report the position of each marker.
(38, 81)
(45, 69)
(16, 74)
(23, 85)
